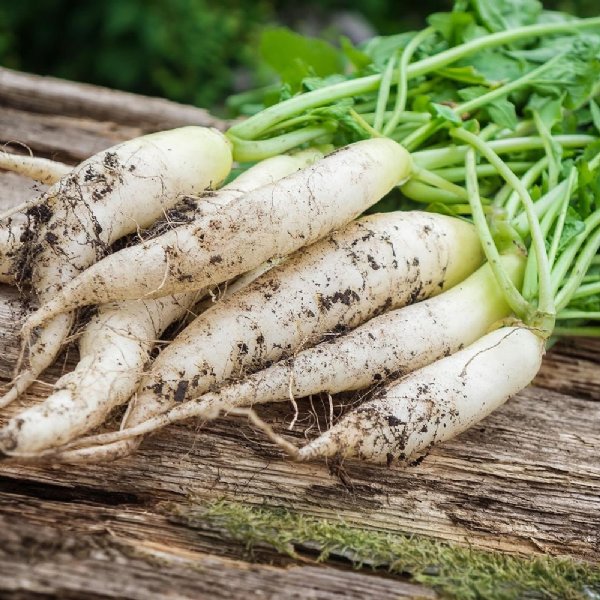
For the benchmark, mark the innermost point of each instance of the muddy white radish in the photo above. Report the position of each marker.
(114, 347)
(278, 219)
(108, 196)
(377, 263)
(388, 345)
(445, 398)
(436, 402)
(40, 169)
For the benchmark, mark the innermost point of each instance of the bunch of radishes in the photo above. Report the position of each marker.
(318, 298)
(340, 276)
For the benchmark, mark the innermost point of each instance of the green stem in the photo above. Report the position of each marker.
(558, 230)
(546, 310)
(293, 122)
(250, 151)
(523, 129)
(530, 281)
(565, 260)
(384, 93)
(402, 131)
(402, 83)
(591, 278)
(588, 289)
(406, 116)
(579, 314)
(545, 203)
(364, 124)
(512, 203)
(565, 189)
(428, 194)
(257, 124)
(578, 271)
(553, 163)
(489, 131)
(577, 331)
(513, 297)
(443, 157)
(454, 174)
(417, 137)
(435, 180)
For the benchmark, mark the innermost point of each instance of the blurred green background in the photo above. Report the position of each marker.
(193, 51)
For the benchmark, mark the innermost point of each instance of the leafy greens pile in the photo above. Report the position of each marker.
(500, 77)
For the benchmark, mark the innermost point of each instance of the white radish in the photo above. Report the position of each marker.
(435, 403)
(375, 264)
(274, 220)
(14, 231)
(265, 172)
(106, 197)
(389, 345)
(114, 347)
(39, 169)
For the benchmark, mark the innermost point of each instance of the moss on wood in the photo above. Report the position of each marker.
(452, 570)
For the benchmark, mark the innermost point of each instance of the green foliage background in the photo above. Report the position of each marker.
(187, 50)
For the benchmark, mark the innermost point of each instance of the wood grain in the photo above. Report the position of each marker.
(526, 480)
(59, 137)
(51, 96)
(45, 561)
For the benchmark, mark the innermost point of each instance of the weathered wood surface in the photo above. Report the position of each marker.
(526, 480)
(50, 96)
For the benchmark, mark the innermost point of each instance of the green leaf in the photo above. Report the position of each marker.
(466, 74)
(573, 227)
(357, 57)
(295, 57)
(595, 115)
(575, 75)
(545, 51)
(381, 48)
(455, 27)
(470, 93)
(285, 93)
(499, 15)
(588, 193)
(445, 112)
(314, 83)
(496, 65)
(338, 110)
(549, 109)
(472, 126)
(503, 113)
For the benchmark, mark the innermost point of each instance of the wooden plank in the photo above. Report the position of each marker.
(523, 481)
(66, 139)
(48, 95)
(526, 480)
(51, 562)
(573, 368)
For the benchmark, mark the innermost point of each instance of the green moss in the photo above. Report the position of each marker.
(452, 570)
